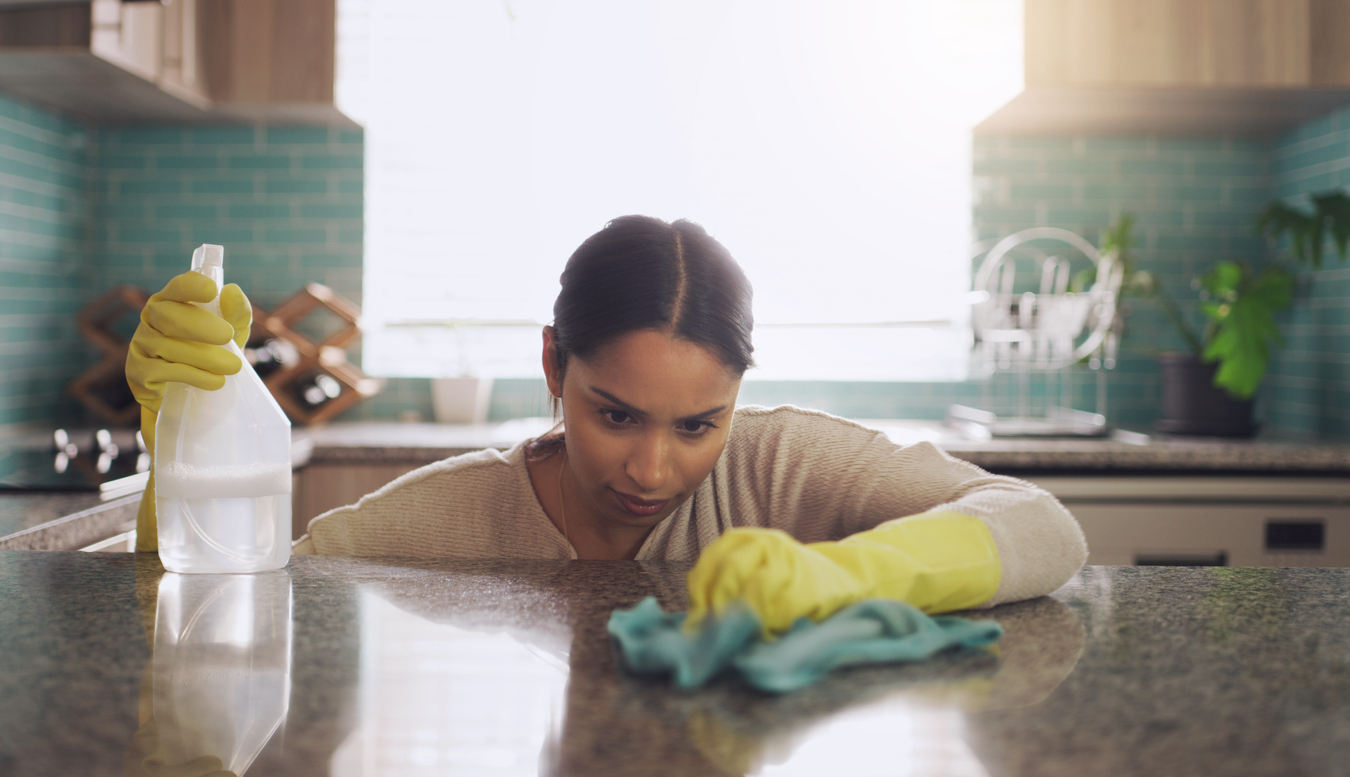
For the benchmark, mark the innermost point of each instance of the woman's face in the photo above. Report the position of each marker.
(647, 417)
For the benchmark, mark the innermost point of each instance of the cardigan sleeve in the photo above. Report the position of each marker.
(820, 478)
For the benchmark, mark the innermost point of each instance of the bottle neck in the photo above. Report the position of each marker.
(214, 272)
(217, 274)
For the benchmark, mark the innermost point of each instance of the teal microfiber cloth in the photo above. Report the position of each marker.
(652, 641)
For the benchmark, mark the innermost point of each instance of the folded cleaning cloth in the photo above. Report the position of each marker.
(652, 641)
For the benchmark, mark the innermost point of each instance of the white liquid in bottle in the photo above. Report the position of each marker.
(222, 468)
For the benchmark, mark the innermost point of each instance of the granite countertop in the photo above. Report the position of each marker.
(393, 442)
(62, 520)
(505, 667)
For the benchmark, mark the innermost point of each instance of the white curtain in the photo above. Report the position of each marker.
(824, 142)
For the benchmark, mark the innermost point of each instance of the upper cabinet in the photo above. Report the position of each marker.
(176, 61)
(1244, 67)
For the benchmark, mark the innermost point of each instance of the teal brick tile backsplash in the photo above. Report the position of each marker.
(246, 188)
(1184, 221)
(85, 208)
(1309, 379)
(43, 211)
(1196, 200)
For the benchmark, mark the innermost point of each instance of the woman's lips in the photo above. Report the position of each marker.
(640, 507)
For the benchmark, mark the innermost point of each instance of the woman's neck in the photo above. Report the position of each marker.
(590, 538)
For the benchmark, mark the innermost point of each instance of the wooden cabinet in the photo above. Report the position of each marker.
(1179, 66)
(185, 61)
(321, 487)
(1210, 520)
(270, 59)
(1238, 43)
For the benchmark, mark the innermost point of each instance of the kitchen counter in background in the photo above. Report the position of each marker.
(1141, 499)
(505, 667)
(62, 520)
(393, 442)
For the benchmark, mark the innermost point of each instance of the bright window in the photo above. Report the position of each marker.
(825, 143)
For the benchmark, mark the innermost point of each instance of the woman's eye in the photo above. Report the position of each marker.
(617, 417)
(695, 427)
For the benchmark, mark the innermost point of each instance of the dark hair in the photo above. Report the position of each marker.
(641, 273)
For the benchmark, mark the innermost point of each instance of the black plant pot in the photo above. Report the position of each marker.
(1191, 404)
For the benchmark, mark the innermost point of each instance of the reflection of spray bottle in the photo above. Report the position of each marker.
(222, 467)
(221, 667)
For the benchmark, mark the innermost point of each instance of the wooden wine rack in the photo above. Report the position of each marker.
(327, 356)
(92, 387)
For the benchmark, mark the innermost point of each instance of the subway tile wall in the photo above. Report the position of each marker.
(82, 209)
(1195, 201)
(1309, 382)
(286, 202)
(43, 265)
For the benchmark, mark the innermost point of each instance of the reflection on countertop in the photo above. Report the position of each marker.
(220, 674)
(506, 668)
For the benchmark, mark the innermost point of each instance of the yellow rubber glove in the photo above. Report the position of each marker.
(178, 341)
(938, 562)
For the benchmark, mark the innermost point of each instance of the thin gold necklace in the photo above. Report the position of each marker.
(562, 508)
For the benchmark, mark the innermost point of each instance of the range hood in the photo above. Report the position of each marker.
(1120, 110)
(1177, 67)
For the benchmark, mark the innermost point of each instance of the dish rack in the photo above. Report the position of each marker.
(1030, 338)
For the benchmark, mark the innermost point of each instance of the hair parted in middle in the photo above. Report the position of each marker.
(642, 273)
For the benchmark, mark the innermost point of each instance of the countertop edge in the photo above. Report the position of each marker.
(78, 529)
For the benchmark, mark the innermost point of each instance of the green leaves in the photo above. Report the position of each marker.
(1239, 305)
(1335, 209)
(1119, 238)
(1241, 308)
(1308, 232)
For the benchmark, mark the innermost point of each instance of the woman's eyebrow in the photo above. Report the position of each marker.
(624, 406)
(627, 408)
(705, 413)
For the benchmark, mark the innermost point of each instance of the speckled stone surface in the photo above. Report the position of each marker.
(1176, 454)
(505, 668)
(40, 520)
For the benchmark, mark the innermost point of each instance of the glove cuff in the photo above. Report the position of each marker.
(951, 558)
(147, 527)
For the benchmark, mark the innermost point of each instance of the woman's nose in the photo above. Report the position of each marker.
(649, 463)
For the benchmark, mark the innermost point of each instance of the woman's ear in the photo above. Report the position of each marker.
(552, 374)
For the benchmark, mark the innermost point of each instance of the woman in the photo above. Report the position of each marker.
(650, 339)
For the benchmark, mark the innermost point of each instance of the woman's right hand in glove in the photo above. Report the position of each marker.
(178, 341)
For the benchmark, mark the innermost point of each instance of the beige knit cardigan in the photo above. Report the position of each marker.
(814, 475)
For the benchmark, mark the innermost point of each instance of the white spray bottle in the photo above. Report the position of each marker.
(222, 467)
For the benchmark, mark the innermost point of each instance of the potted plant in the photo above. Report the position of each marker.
(458, 394)
(1208, 389)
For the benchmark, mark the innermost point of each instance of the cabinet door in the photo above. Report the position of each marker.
(269, 51)
(1230, 534)
(1233, 43)
(322, 487)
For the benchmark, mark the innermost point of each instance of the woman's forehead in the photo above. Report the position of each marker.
(657, 373)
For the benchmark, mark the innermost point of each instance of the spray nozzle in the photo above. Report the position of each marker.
(208, 255)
